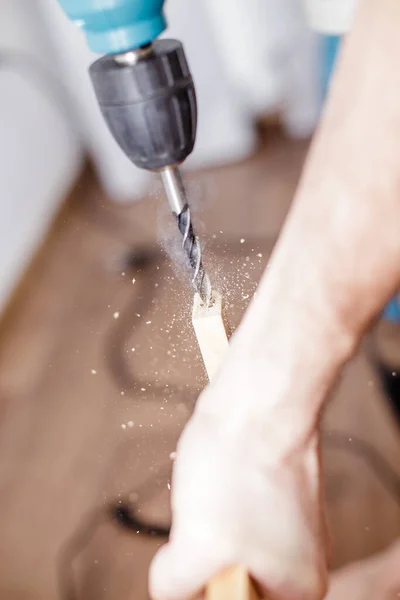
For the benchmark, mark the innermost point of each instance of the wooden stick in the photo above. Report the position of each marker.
(208, 323)
(233, 584)
(211, 333)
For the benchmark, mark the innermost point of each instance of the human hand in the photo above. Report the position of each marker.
(242, 496)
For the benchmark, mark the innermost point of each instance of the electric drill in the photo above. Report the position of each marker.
(147, 97)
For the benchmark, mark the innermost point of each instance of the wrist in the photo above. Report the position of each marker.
(277, 375)
(264, 420)
(262, 407)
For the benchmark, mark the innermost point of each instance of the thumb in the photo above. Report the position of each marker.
(180, 573)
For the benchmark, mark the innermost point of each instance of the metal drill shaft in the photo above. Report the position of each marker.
(177, 199)
(191, 245)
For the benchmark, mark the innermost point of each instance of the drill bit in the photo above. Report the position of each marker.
(177, 199)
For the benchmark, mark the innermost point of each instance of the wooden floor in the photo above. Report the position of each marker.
(99, 371)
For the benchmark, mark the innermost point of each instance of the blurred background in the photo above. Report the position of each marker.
(99, 368)
(51, 123)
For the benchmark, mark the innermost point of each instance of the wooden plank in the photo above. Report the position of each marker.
(233, 584)
(211, 333)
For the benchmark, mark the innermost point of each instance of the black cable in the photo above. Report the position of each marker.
(388, 375)
(126, 517)
(144, 264)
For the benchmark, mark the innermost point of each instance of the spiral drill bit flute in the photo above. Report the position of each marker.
(148, 100)
(177, 199)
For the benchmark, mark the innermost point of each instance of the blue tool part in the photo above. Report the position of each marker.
(392, 310)
(116, 26)
(330, 47)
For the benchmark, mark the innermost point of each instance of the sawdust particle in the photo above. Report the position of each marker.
(116, 315)
(93, 372)
(133, 281)
(242, 241)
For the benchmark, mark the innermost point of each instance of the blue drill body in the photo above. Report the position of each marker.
(115, 26)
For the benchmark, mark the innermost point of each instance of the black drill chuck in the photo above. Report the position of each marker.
(148, 100)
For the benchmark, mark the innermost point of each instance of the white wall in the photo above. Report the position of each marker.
(40, 154)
